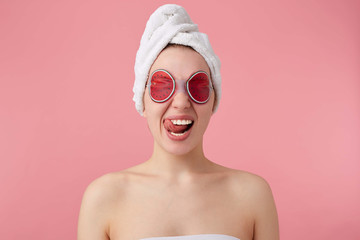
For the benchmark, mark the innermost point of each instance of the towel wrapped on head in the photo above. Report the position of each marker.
(170, 24)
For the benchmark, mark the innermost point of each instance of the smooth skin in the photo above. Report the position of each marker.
(178, 191)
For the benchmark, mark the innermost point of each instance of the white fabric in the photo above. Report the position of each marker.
(170, 23)
(196, 237)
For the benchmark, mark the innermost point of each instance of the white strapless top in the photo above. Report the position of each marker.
(195, 237)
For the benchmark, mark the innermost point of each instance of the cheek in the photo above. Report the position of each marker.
(147, 103)
(153, 109)
(153, 112)
(204, 115)
(209, 107)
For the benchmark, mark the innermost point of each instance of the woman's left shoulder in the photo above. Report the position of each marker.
(252, 184)
(253, 195)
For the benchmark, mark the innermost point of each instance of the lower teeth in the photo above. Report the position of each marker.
(178, 134)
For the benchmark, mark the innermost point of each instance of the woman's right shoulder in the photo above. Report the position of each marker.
(107, 188)
(97, 205)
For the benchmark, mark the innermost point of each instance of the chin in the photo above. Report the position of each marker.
(180, 149)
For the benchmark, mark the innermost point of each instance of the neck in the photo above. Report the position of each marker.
(176, 167)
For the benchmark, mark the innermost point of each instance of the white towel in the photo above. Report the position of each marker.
(170, 23)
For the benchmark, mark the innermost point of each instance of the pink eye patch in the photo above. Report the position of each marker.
(162, 86)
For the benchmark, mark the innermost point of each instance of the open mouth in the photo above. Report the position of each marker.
(178, 127)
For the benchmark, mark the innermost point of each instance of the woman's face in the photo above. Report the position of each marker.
(184, 136)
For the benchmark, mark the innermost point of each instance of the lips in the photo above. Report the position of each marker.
(178, 127)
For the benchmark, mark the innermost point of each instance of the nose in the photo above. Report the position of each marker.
(181, 100)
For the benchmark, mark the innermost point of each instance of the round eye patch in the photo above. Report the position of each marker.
(162, 86)
(198, 87)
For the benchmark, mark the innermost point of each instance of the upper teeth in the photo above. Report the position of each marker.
(181, 122)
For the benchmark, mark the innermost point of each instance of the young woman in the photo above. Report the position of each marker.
(177, 194)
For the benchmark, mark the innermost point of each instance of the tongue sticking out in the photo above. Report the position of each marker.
(175, 128)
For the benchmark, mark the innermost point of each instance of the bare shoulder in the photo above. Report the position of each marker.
(255, 189)
(260, 201)
(105, 188)
(247, 182)
(97, 205)
(253, 184)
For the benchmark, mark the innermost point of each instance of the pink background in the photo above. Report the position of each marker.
(290, 110)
